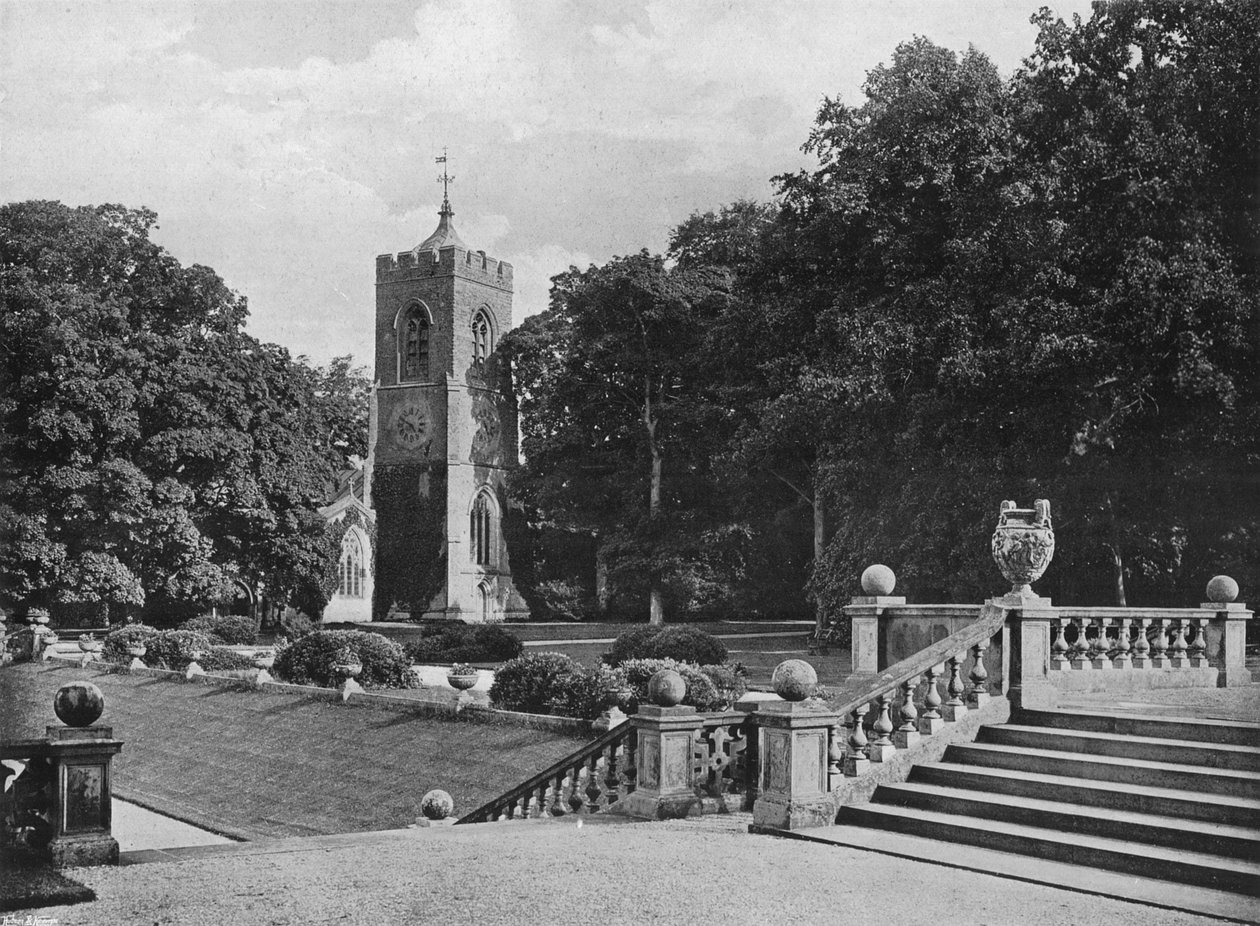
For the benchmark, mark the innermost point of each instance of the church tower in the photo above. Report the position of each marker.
(443, 432)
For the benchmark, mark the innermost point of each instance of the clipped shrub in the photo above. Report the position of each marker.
(728, 680)
(465, 643)
(682, 644)
(229, 629)
(175, 649)
(534, 681)
(295, 626)
(222, 659)
(589, 694)
(117, 641)
(701, 692)
(309, 661)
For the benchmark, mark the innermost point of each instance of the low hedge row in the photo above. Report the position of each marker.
(228, 629)
(553, 682)
(682, 644)
(464, 643)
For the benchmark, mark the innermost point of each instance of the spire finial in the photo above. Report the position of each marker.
(446, 181)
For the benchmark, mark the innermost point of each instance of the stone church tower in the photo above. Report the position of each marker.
(443, 433)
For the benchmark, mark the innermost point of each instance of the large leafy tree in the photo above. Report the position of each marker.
(153, 454)
(615, 435)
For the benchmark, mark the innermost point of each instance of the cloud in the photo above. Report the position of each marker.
(577, 131)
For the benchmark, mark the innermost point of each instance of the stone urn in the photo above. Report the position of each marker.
(89, 644)
(137, 650)
(462, 680)
(264, 659)
(1023, 544)
(348, 669)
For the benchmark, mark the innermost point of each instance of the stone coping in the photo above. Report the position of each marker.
(453, 709)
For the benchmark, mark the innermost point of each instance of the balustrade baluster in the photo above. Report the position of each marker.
(979, 693)
(855, 761)
(883, 749)
(1142, 646)
(557, 806)
(630, 773)
(1059, 649)
(594, 792)
(1159, 646)
(931, 721)
(612, 781)
(576, 798)
(908, 731)
(955, 708)
(1080, 650)
(1102, 646)
(1180, 659)
(835, 755)
(1123, 659)
(537, 801)
(1198, 650)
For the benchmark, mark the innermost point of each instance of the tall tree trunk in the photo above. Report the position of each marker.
(820, 540)
(656, 610)
(1117, 560)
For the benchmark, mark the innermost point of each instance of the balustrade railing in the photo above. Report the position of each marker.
(882, 715)
(1084, 639)
(589, 780)
(724, 757)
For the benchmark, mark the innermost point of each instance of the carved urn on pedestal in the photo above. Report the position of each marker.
(1023, 545)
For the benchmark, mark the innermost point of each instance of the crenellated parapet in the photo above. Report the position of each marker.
(449, 261)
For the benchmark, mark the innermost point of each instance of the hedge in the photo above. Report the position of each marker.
(682, 644)
(309, 661)
(229, 629)
(465, 643)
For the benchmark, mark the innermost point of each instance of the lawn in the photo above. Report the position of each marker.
(261, 764)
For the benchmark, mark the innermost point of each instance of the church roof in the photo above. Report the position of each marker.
(444, 236)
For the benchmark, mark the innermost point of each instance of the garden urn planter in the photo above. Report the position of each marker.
(137, 650)
(348, 669)
(1023, 545)
(264, 660)
(461, 682)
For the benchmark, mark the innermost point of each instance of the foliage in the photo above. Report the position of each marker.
(224, 628)
(296, 626)
(465, 643)
(117, 641)
(461, 668)
(702, 694)
(682, 644)
(588, 694)
(559, 599)
(729, 680)
(411, 569)
(532, 682)
(612, 432)
(175, 649)
(223, 659)
(309, 661)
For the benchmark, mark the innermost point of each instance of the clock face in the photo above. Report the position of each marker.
(411, 426)
(485, 443)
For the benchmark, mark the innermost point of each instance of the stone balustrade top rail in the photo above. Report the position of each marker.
(859, 691)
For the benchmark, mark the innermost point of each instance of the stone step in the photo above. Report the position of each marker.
(1223, 732)
(1148, 748)
(1066, 817)
(1186, 805)
(1168, 894)
(1213, 871)
(1194, 778)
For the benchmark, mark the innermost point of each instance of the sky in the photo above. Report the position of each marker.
(286, 144)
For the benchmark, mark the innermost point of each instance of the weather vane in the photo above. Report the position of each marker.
(446, 181)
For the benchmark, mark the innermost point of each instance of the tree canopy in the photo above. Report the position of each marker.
(154, 455)
(988, 287)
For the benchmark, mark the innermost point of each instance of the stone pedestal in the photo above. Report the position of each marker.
(664, 783)
(1234, 672)
(793, 790)
(1030, 640)
(82, 807)
(863, 613)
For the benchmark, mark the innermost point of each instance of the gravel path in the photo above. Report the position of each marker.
(558, 873)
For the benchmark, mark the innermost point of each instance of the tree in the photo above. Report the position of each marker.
(152, 452)
(614, 439)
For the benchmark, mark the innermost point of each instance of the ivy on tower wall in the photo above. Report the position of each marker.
(411, 511)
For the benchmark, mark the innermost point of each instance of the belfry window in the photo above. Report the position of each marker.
(350, 571)
(481, 338)
(482, 531)
(413, 347)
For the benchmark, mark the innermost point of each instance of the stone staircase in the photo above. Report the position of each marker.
(1157, 797)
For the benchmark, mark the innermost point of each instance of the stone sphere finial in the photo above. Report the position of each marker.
(78, 704)
(1222, 590)
(437, 805)
(666, 688)
(878, 580)
(794, 680)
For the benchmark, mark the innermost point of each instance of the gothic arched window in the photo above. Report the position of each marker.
(481, 337)
(413, 346)
(482, 539)
(350, 571)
